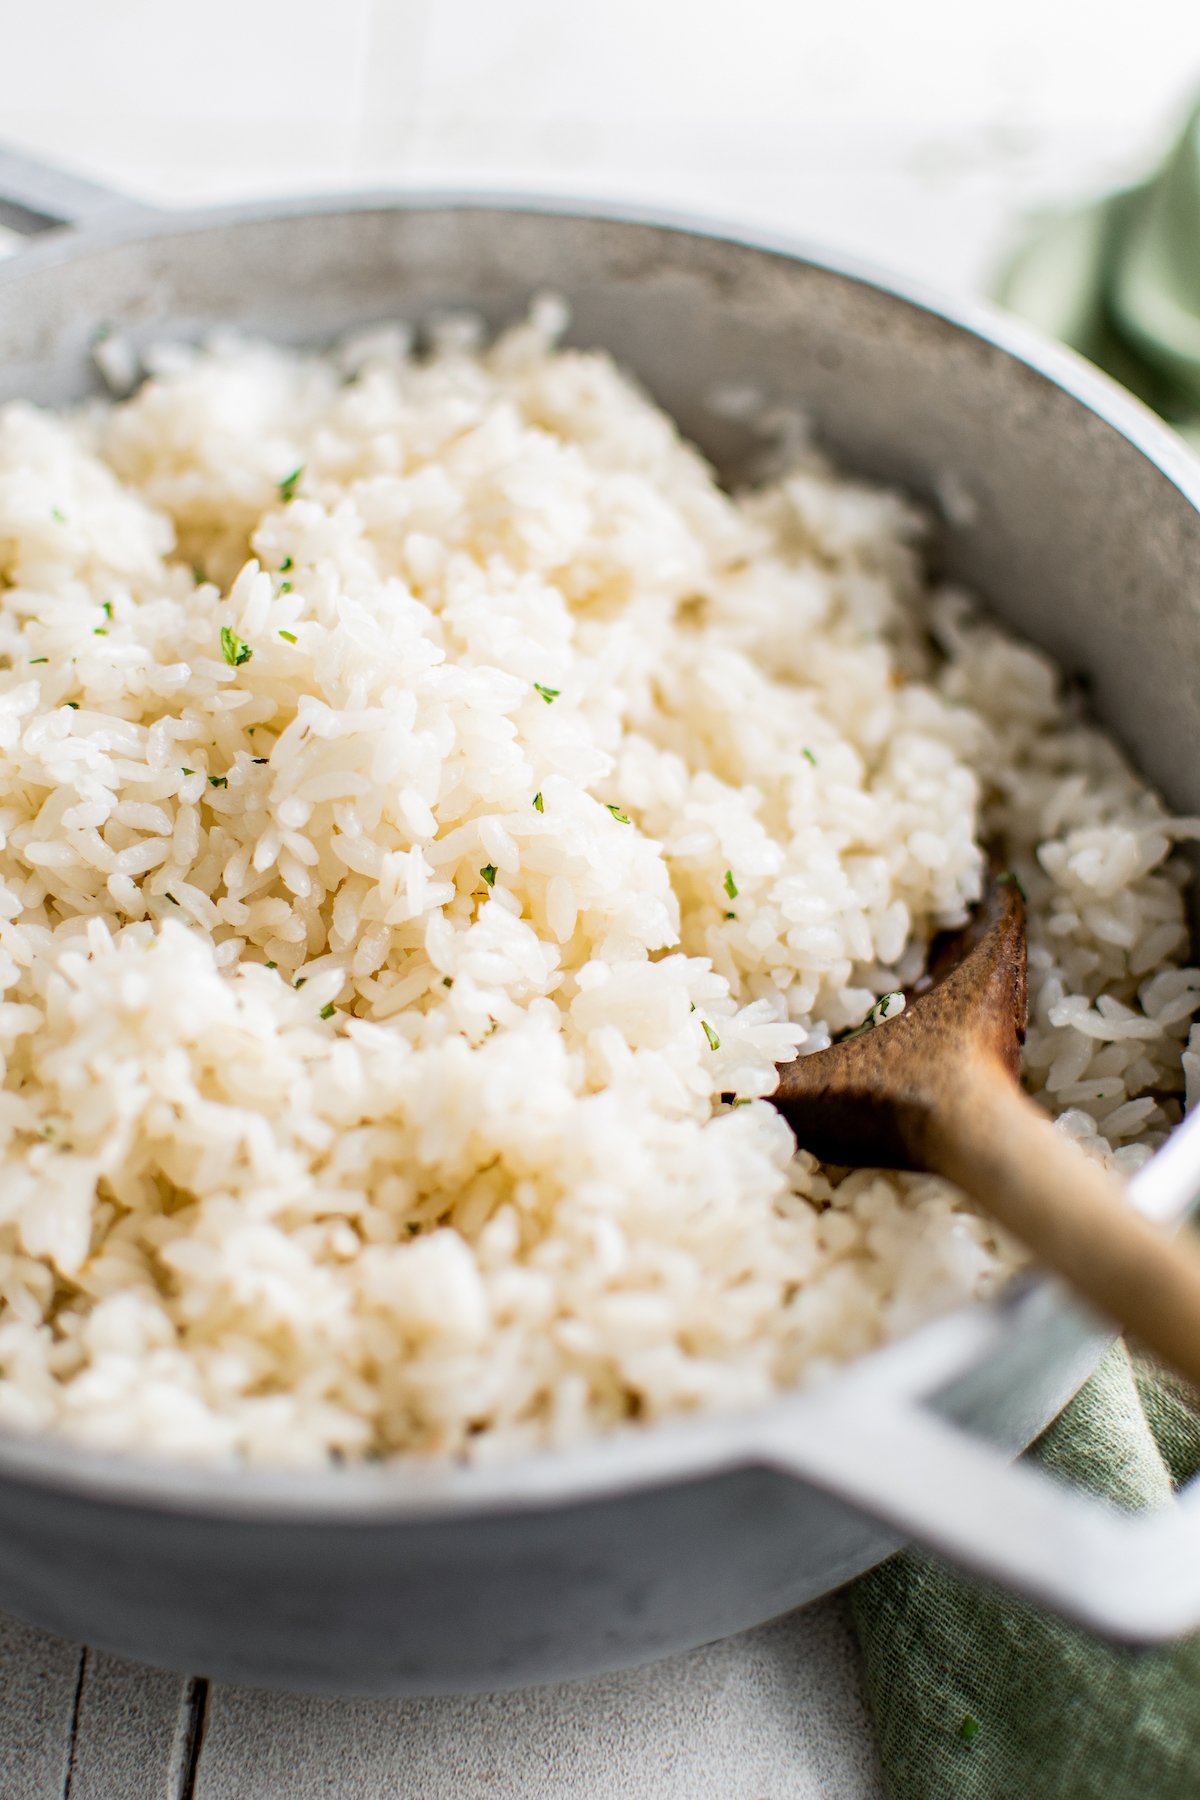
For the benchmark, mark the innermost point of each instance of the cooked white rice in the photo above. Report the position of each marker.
(371, 977)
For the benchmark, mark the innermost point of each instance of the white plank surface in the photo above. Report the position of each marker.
(135, 1732)
(39, 1684)
(778, 1712)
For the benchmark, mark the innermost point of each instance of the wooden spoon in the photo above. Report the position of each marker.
(936, 1088)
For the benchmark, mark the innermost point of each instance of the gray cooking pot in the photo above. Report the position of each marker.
(1075, 513)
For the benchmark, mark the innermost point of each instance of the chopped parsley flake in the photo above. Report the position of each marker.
(289, 484)
(285, 587)
(171, 898)
(300, 981)
(99, 631)
(184, 771)
(198, 575)
(618, 815)
(74, 705)
(714, 1042)
(260, 759)
(218, 781)
(739, 1101)
(234, 649)
(38, 659)
(692, 1005)
(106, 608)
(289, 635)
(731, 915)
(488, 872)
(886, 1007)
(327, 1012)
(808, 756)
(968, 1729)
(549, 695)
(447, 981)
(731, 886)
(286, 564)
(57, 513)
(272, 965)
(539, 805)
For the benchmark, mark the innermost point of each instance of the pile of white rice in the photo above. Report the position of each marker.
(423, 795)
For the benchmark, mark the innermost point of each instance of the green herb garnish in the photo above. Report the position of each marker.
(99, 631)
(289, 635)
(74, 705)
(885, 1008)
(198, 575)
(539, 804)
(549, 695)
(968, 1729)
(285, 565)
(218, 781)
(234, 649)
(57, 513)
(38, 659)
(300, 981)
(714, 1042)
(618, 815)
(289, 484)
(327, 1012)
(272, 965)
(184, 771)
(731, 886)
(171, 898)
(285, 587)
(447, 981)
(260, 759)
(808, 756)
(488, 872)
(106, 608)
(731, 915)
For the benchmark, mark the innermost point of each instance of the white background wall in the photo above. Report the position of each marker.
(912, 130)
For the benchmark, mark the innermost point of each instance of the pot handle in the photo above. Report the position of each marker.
(1130, 1577)
(36, 197)
(878, 1439)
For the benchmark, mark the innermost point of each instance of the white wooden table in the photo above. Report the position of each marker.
(914, 135)
(774, 1715)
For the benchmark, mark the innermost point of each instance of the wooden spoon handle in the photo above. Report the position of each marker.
(989, 1138)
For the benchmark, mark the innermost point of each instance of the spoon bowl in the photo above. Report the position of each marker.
(937, 1088)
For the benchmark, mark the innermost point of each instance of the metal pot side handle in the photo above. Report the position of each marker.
(884, 1448)
(37, 197)
(1135, 1578)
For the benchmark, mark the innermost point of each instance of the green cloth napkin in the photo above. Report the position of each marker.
(977, 1696)
(1119, 280)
